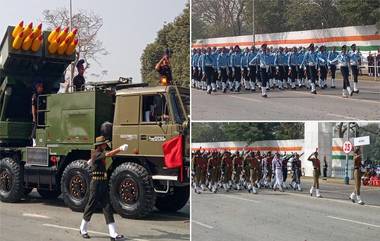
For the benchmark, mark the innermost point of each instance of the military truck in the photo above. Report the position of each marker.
(56, 164)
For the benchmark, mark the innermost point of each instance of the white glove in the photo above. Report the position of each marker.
(124, 147)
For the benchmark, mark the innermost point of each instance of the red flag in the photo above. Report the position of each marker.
(173, 154)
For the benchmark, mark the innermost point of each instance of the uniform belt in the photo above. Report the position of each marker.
(357, 168)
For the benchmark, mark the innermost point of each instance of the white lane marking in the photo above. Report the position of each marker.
(245, 98)
(77, 229)
(33, 215)
(353, 221)
(239, 198)
(202, 224)
(329, 199)
(342, 116)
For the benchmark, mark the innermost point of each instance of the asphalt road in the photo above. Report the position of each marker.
(286, 216)
(298, 104)
(36, 219)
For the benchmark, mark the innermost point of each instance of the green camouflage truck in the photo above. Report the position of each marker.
(56, 164)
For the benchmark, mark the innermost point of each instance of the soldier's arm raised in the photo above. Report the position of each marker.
(117, 150)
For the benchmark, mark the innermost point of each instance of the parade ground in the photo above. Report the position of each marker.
(51, 220)
(289, 215)
(298, 104)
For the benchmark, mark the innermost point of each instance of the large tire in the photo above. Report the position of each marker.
(131, 191)
(11, 180)
(49, 194)
(75, 185)
(175, 200)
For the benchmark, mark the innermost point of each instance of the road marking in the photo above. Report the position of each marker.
(353, 221)
(329, 199)
(77, 229)
(240, 198)
(33, 215)
(342, 116)
(202, 224)
(245, 98)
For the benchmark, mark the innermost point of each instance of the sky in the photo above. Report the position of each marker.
(128, 26)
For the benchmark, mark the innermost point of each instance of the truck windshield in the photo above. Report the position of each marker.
(179, 116)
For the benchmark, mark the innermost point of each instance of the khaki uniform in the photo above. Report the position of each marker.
(200, 167)
(357, 173)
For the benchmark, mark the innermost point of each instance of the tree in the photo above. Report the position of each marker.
(176, 37)
(88, 25)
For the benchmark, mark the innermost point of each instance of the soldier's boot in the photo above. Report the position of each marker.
(356, 89)
(349, 90)
(359, 200)
(238, 187)
(280, 85)
(352, 197)
(112, 232)
(311, 191)
(280, 188)
(230, 85)
(284, 84)
(254, 191)
(344, 93)
(333, 82)
(209, 89)
(83, 229)
(218, 84)
(237, 86)
(210, 186)
(293, 85)
(258, 185)
(249, 188)
(253, 85)
(313, 90)
(203, 187)
(317, 194)
(224, 87)
(264, 92)
(213, 86)
(299, 187)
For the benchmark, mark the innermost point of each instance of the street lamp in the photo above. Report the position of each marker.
(71, 27)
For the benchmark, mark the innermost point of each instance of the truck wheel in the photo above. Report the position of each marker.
(131, 191)
(49, 194)
(174, 201)
(11, 181)
(75, 185)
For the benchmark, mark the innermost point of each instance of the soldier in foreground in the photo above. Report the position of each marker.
(99, 188)
(357, 176)
(316, 173)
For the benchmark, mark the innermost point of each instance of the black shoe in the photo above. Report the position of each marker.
(118, 237)
(209, 91)
(265, 96)
(332, 87)
(86, 236)
(356, 91)
(314, 92)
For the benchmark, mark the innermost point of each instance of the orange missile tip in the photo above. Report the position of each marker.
(21, 35)
(39, 26)
(30, 25)
(40, 37)
(58, 29)
(21, 24)
(66, 30)
(76, 41)
(75, 30)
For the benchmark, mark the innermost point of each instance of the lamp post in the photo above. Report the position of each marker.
(72, 64)
(346, 178)
(253, 23)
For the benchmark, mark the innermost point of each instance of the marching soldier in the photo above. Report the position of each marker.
(200, 167)
(244, 69)
(296, 168)
(279, 62)
(194, 68)
(293, 66)
(207, 68)
(301, 73)
(344, 59)
(215, 84)
(277, 168)
(332, 55)
(230, 71)
(213, 167)
(222, 65)
(246, 168)
(227, 165)
(236, 67)
(357, 176)
(322, 63)
(264, 59)
(237, 165)
(316, 173)
(99, 188)
(355, 59)
(309, 63)
(253, 172)
(252, 68)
